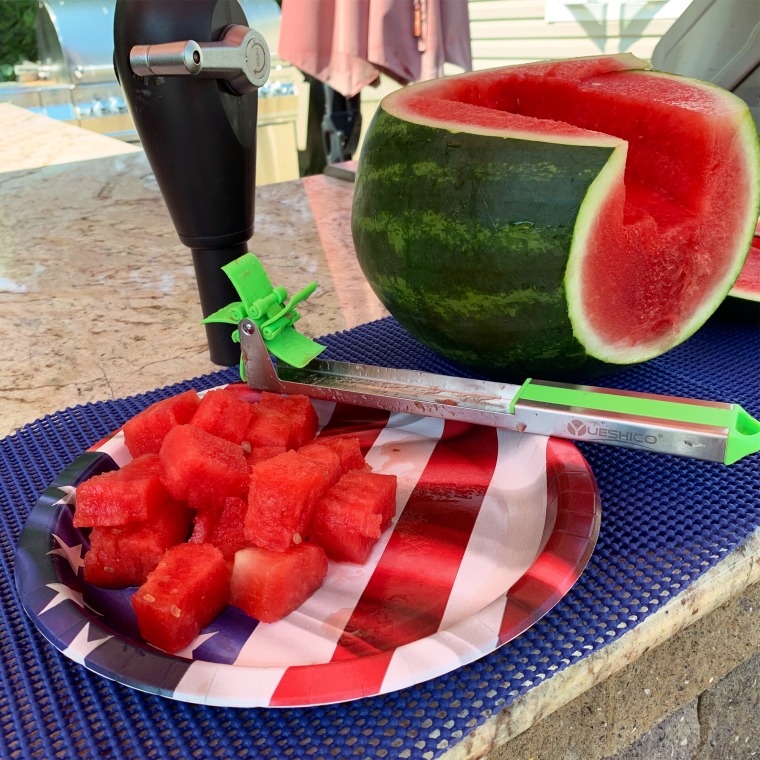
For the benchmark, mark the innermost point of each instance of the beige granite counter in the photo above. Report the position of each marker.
(97, 295)
(98, 301)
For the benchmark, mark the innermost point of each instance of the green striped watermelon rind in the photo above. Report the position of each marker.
(412, 257)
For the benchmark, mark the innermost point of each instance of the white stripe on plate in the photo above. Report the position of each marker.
(227, 685)
(444, 651)
(309, 635)
(116, 449)
(507, 533)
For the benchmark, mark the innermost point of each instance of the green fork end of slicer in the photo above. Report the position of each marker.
(269, 307)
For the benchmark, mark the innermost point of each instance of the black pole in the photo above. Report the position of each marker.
(200, 140)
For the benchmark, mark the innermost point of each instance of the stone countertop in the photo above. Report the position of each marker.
(98, 295)
(99, 302)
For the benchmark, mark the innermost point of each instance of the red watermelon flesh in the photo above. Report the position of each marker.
(224, 414)
(260, 453)
(268, 427)
(283, 491)
(225, 529)
(269, 585)
(132, 494)
(123, 556)
(349, 519)
(189, 587)
(665, 231)
(348, 449)
(201, 468)
(748, 284)
(300, 413)
(326, 458)
(145, 432)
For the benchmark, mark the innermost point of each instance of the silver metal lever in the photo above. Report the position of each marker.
(241, 57)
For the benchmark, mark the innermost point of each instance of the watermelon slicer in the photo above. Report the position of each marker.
(269, 309)
(706, 430)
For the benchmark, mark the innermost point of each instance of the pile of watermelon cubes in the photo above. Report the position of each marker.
(227, 501)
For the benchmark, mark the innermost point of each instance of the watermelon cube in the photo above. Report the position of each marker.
(268, 427)
(300, 413)
(325, 457)
(202, 468)
(349, 519)
(189, 587)
(145, 432)
(269, 585)
(132, 494)
(348, 449)
(225, 529)
(224, 414)
(283, 491)
(123, 556)
(260, 453)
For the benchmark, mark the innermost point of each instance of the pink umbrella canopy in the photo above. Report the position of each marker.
(347, 44)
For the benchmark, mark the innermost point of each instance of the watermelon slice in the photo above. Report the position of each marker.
(123, 556)
(348, 449)
(224, 529)
(350, 518)
(224, 414)
(283, 492)
(269, 585)
(268, 427)
(556, 217)
(145, 432)
(300, 414)
(189, 587)
(202, 468)
(134, 493)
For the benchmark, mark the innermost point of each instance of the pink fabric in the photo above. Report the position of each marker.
(349, 43)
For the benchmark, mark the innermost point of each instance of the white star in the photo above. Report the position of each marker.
(194, 644)
(72, 554)
(69, 495)
(64, 592)
(81, 646)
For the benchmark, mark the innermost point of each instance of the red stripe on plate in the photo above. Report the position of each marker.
(407, 593)
(360, 421)
(331, 682)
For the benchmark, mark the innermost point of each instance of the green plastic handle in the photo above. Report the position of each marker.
(743, 430)
(268, 307)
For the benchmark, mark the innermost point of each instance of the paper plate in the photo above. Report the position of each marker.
(492, 529)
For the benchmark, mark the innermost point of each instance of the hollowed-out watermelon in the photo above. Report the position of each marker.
(547, 218)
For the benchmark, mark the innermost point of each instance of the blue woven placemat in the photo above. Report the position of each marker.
(665, 522)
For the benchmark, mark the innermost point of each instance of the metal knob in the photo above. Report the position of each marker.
(241, 57)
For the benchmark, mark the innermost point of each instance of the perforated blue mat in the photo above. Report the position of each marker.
(665, 521)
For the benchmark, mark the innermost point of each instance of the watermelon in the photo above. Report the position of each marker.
(132, 494)
(224, 414)
(748, 285)
(350, 518)
(224, 529)
(145, 432)
(188, 588)
(348, 449)
(556, 218)
(269, 585)
(202, 468)
(123, 556)
(268, 428)
(300, 413)
(282, 495)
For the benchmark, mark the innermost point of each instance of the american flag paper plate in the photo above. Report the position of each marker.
(492, 528)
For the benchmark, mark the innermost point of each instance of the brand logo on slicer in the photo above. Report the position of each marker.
(579, 429)
(576, 427)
